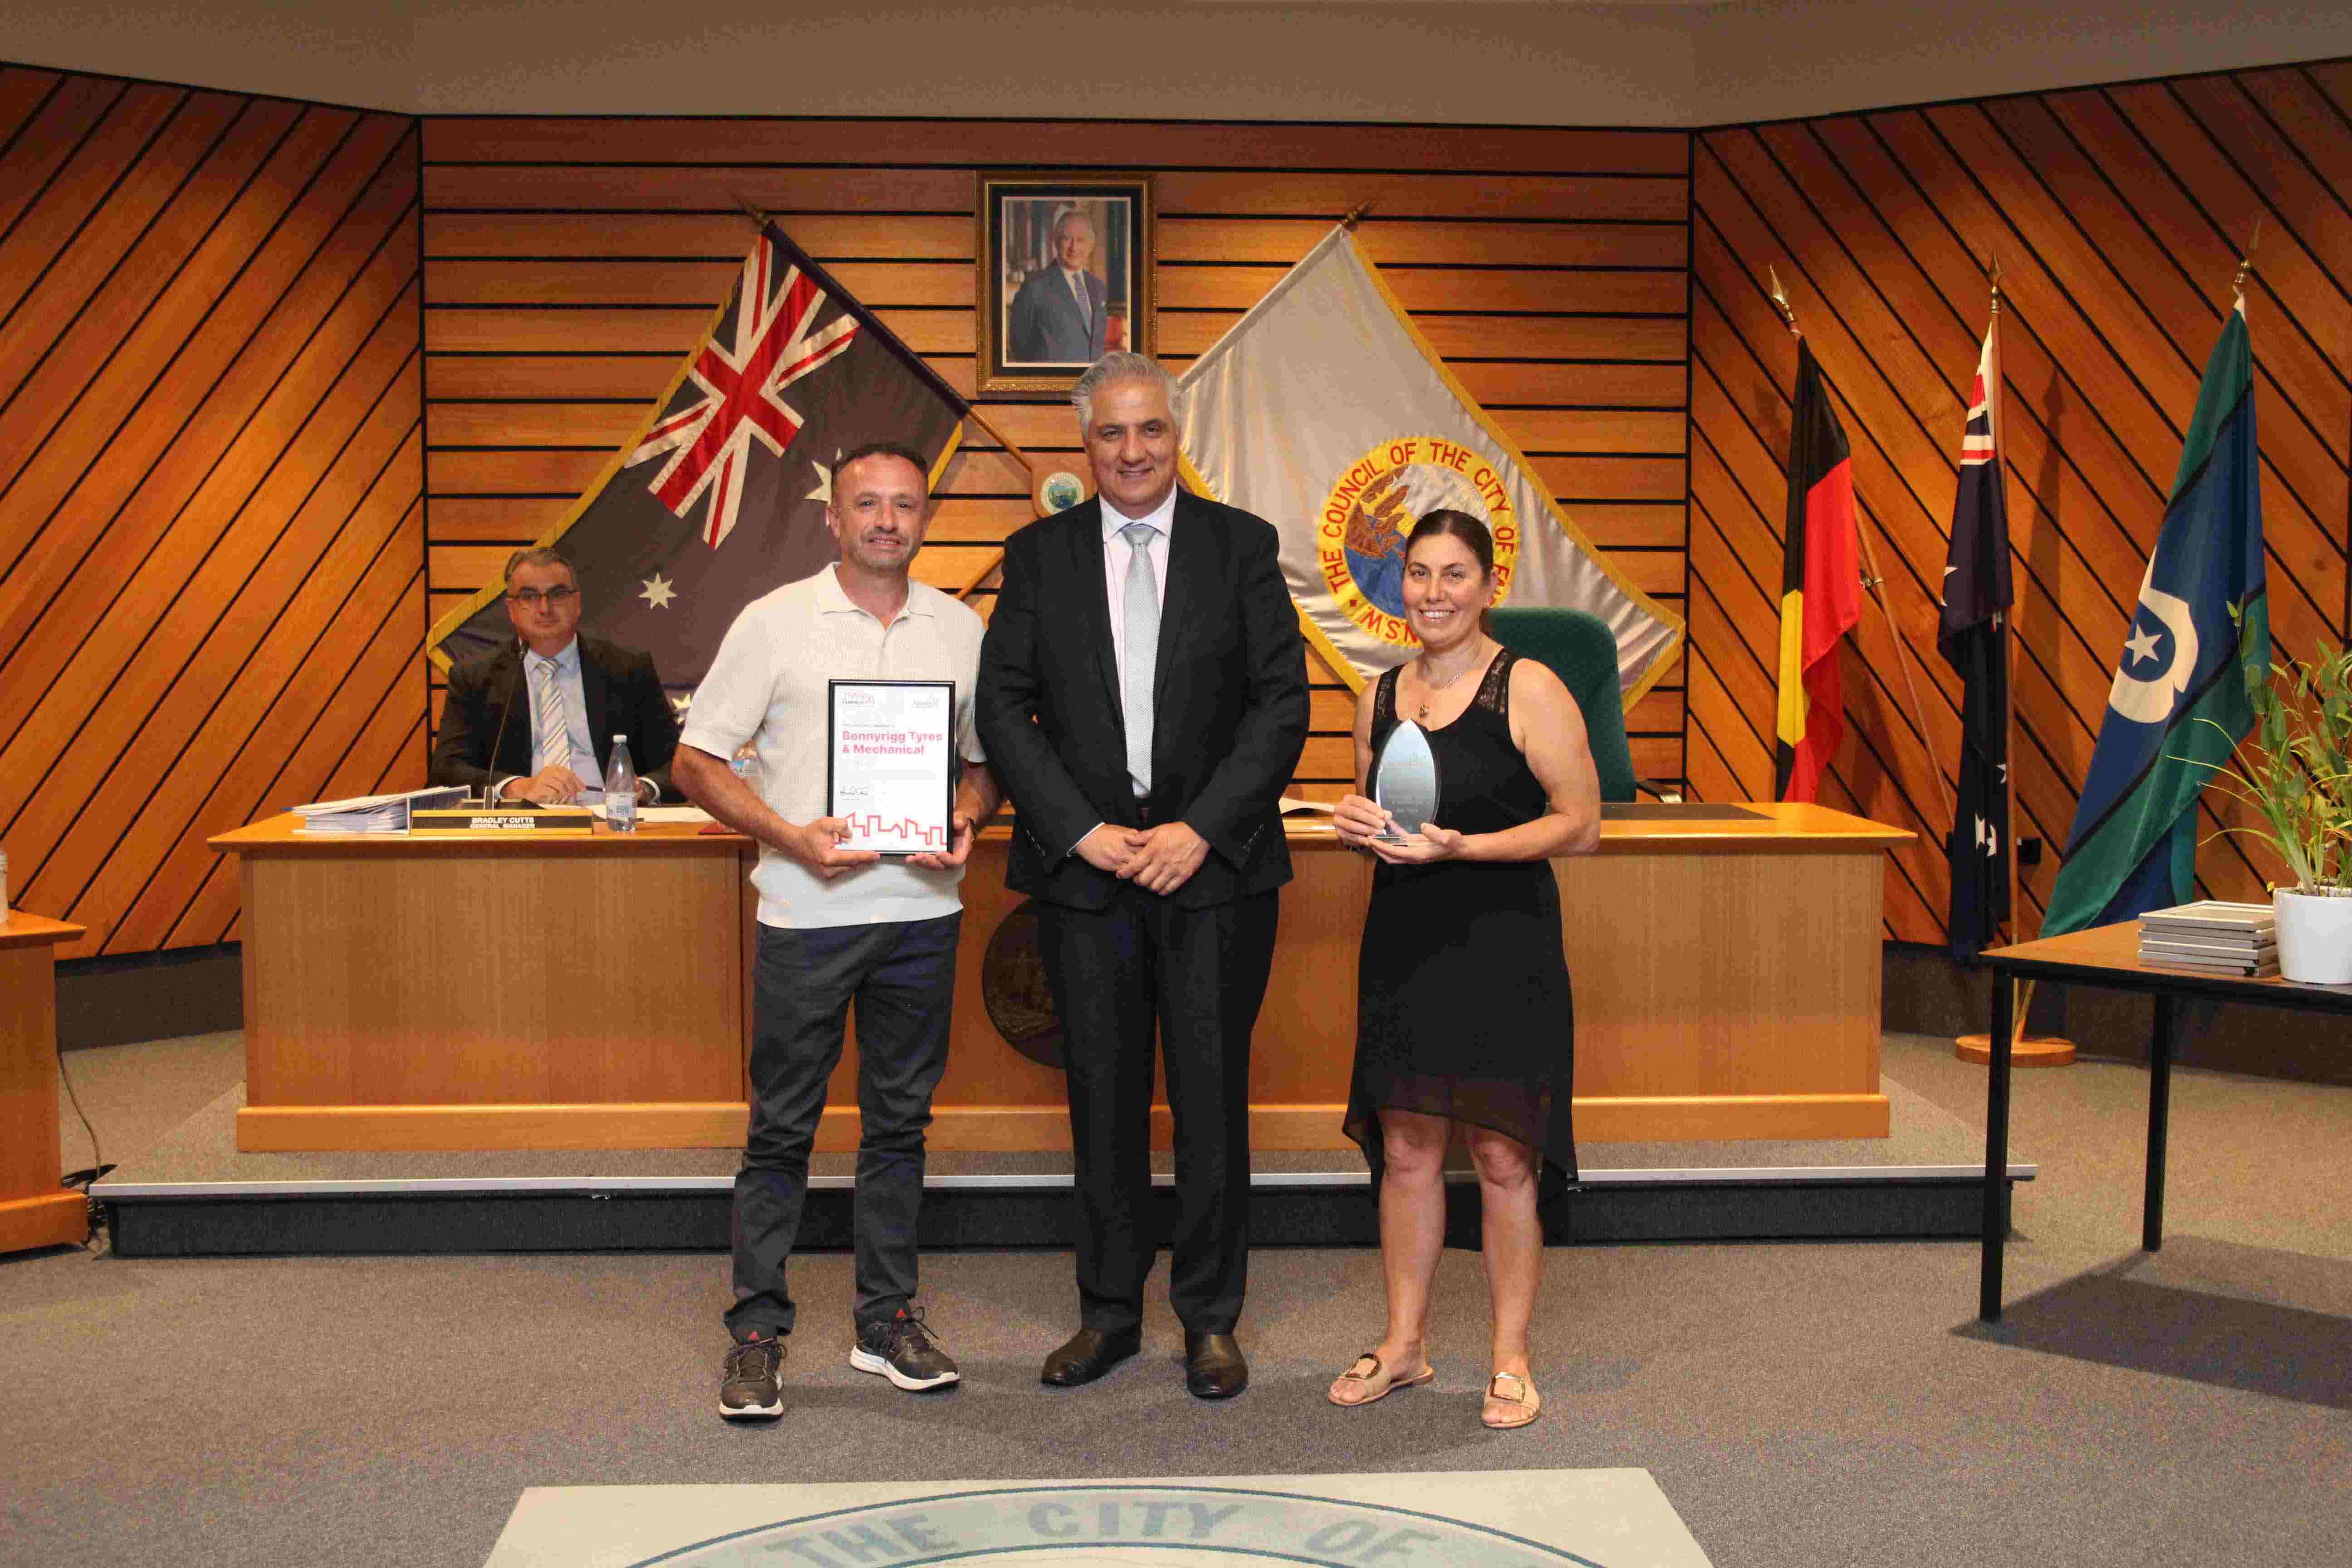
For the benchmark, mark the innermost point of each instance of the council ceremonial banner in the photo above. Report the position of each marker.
(719, 496)
(2200, 635)
(1326, 412)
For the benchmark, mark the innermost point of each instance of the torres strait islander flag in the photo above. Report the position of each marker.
(1973, 638)
(1821, 588)
(2200, 640)
(719, 496)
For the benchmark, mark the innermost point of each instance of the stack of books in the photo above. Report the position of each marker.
(2212, 938)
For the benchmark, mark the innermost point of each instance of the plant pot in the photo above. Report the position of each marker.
(2314, 938)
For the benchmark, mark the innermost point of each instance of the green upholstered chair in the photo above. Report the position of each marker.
(1580, 650)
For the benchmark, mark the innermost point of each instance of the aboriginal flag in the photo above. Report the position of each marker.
(1973, 638)
(720, 495)
(1821, 588)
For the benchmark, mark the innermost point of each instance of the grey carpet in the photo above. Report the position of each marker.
(1802, 1403)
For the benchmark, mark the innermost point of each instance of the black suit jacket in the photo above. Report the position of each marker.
(1229, 711)
(624, 696)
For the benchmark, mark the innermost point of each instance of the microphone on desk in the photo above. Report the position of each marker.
(492, 772)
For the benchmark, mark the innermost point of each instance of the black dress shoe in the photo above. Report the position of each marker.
(1214, 1367)
(1086, 1355)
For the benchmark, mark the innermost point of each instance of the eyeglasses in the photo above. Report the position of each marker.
(555, 598)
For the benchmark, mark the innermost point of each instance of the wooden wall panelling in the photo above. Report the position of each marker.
(42, 143)
(2117, 214)
(382, 690)
(139, 576)
(107, 192)
(163, 668)
(293, 593)
(22, 91)
(569, 262)
(126, 292)
(190, 333)
(211, 531)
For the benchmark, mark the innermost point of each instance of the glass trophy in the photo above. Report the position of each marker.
(1404, 781)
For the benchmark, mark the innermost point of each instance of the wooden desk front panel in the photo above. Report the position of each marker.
(1751, 974)
(500, 977)
(598, 995)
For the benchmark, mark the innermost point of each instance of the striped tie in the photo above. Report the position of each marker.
(554, 734)
(1143, 617)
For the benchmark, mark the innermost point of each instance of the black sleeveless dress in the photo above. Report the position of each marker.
(1463, 1002)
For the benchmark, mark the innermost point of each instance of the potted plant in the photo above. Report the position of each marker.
(2298, 780)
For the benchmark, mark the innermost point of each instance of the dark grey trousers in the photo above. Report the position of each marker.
(902, 977)
(1195, 978)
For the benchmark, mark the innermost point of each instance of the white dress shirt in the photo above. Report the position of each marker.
(574, 697)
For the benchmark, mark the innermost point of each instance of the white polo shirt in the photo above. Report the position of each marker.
(768, 687)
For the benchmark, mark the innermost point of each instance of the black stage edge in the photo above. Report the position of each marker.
(1294, 1214)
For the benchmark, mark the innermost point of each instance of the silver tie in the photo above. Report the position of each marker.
(554, 733)
(1142, 615)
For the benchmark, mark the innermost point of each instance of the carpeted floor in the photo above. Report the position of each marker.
(1798, 1404)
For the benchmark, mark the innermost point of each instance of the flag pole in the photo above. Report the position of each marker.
(2038, 1050)
(1873, 578)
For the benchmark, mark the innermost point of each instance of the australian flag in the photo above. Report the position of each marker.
(2201, 636)
(720, 495)
(1973, 638)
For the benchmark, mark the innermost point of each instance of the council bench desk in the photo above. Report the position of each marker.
(595, 993)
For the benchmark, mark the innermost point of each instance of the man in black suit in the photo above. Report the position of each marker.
(1059, 315)
(1143, 699)
(534, 719)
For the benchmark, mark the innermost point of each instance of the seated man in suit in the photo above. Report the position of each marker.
(534, 719)
(1059, 315)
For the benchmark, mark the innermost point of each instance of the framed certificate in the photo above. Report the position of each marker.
(890, 757)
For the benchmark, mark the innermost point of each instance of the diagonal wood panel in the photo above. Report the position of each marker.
(2117, 215)
(211, 466)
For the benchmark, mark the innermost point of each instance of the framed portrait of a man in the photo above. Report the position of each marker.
(1065, 275)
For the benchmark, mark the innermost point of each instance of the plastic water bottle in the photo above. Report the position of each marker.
(745, 766)
(621, 789)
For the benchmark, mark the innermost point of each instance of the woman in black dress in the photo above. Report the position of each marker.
(1463, 1013)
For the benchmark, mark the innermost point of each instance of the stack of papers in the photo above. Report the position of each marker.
(2212, 938)
(372, 813)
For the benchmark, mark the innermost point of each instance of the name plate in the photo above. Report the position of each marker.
(477, 821)
(890, 769)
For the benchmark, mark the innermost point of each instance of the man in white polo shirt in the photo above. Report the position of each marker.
(837, 924)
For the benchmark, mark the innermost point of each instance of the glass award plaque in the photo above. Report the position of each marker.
(890, 760)
(1404, 780)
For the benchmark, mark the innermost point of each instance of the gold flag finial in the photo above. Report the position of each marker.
(2246, 263)
(1356, 214)
(1780, 298)
(1992, 277)
(751, 210)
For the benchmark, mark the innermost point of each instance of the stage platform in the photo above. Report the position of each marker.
(192, 1193)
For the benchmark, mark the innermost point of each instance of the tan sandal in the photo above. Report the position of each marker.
(1524, 1404)
(1377, 1381)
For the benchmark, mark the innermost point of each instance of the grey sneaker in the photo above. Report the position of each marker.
(902, 1350)
(749, 1385)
